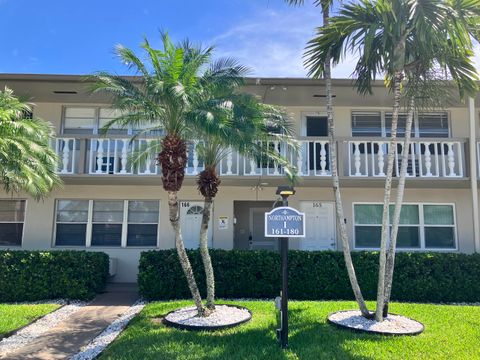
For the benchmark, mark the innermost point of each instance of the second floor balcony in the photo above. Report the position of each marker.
(357, 158)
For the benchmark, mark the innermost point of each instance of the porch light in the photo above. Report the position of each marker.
(285, 191)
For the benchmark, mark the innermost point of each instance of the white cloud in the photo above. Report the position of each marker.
(271, 42)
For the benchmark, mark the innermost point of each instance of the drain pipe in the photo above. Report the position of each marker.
(473, 172)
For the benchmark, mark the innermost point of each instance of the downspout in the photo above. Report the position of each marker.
(473, 172)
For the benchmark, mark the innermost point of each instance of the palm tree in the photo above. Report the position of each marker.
(393, 37)
(175, 94)
(27, 161)
(325, 6)
(252, 124)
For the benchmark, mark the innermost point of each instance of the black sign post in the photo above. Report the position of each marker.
(284, 296)
(286, 222)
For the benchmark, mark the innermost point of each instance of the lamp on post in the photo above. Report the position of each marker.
(282, 333)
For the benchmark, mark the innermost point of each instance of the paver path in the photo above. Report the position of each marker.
(66, 339)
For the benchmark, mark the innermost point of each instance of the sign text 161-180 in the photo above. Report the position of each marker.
(284, 222)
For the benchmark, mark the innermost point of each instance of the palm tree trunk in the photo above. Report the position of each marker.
(398, 207)
(182, 254)
(207, 261)
(392, 147)
(336, 181)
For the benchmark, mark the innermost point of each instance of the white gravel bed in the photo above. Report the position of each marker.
(223, 315)
(97, 345)
(393, 324)
(37, 328)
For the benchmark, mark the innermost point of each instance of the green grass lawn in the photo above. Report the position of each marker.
(452, 332)
(13, 316)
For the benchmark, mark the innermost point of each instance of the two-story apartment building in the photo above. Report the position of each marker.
(108, 205)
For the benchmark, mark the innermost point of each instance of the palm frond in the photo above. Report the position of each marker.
(27, 161)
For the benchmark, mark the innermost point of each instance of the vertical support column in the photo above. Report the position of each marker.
(473, 172)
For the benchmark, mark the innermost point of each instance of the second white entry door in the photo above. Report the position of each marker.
(191, 220)
(320, 226)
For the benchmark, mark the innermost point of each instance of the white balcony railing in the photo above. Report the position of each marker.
(427, 158)
(66, 150)
(360, 158)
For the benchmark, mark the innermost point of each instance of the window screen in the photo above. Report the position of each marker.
(433, 125)
(12, 216)
(142, 223)
(72, 218)
(107, 223)
(79, 120)
(366, 124)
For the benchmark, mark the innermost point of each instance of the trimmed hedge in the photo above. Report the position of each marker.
(39, 275)
(419, 277)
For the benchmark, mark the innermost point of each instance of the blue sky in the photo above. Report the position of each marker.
(77, 37)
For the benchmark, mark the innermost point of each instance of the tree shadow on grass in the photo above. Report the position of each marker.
(309, 339)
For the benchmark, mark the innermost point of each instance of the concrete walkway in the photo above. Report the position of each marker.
(66, 339)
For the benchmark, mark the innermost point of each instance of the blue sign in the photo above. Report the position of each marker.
(284, 222)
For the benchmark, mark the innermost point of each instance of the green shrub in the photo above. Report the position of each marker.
(38, 275)
(420, 277)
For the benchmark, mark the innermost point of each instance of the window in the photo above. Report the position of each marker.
(439, 226)
(105, 116)
(425, 125)
(401, 125)
(422, 226)
(433, 125)
(108, 223)
(12, 217)
(366, 124)
(72, 219)
(79, 120)
(142, 223)
(316, 125)
(90, 120)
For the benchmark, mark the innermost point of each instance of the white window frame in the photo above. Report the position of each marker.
(421, 227)
(125, 221)
(16, 222)
(88, 235)
(55, 222)
(304, 115)
(415, 125)
(122, 223)
(368, 112)
(96, 120)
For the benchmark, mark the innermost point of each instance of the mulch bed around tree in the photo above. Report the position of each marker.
(224, 316)
(392, 325)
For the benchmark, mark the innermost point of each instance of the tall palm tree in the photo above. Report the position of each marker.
(252, 125)
(176, 94)
(325, 6)
(392, 37)
(27, 161)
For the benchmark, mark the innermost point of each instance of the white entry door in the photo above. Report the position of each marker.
(190, 222)
(320, 226)
(257, 238)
